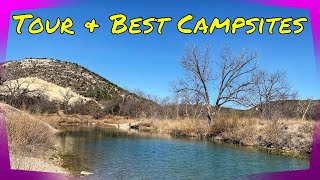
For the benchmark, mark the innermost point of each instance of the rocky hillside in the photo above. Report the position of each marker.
(66, 74)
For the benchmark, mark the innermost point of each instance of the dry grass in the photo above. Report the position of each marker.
(117, 120)
(75, 119)
(234, 129)
(281, 134)
(61, 119)
(31, 142)
(178, 127)
(288, 135)
(27, 135)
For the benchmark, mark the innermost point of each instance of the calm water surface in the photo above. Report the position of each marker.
(121, 154)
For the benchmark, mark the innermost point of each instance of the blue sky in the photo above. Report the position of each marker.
(150, 62)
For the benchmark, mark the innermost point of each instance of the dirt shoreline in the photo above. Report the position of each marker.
(29, 163)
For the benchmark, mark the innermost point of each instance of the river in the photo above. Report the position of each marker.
(122, 154)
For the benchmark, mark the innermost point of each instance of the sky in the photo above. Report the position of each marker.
(150, 62)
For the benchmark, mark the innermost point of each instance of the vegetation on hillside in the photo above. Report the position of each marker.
(65, 74)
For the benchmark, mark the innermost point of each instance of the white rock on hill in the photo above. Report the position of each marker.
(52, 91)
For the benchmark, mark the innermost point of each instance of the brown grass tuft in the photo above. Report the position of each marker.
(26, 134)
(178, 127)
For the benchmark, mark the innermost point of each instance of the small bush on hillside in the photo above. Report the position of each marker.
(44, 107)
(87, 108)
(111, 107)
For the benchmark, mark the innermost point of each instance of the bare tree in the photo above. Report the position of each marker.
(177, 103)
(186, 95)
(16, 90)
(233, 78)
(196, 102)
(66, 95)
(198, 74)
(165, 104)
(269, 87)
(304, 106)
(111, 107)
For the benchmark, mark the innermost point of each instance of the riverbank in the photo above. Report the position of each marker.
(290, 137)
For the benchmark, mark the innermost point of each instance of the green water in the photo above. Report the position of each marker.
(120, 154)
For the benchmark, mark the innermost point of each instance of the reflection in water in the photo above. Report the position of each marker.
(129, 154)
(74, 141)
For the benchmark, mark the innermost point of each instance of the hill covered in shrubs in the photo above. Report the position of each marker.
(65, 74)
(48, 86)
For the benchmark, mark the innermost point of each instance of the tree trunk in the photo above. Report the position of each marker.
(186, 111)
(177, 117)
(305, 112)
(209, 115)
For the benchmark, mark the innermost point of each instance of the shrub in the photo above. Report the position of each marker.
(34, 105)
(44, 107)
(26, 135)
(223, 124)
(87, 108)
